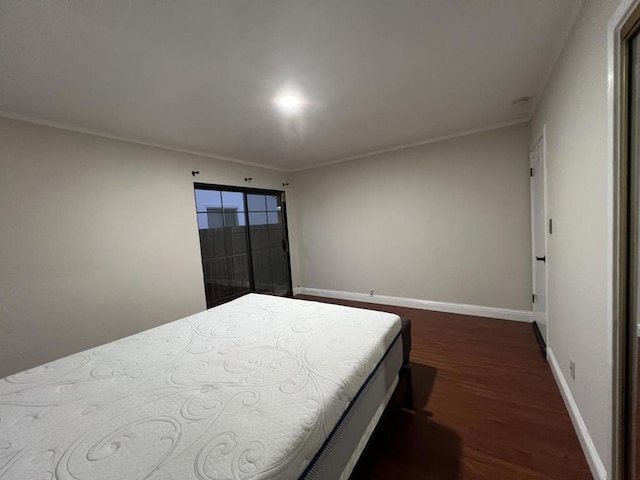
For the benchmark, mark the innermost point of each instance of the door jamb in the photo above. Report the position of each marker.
(541, 136)
(619, 26)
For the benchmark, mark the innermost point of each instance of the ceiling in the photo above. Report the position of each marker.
(200, 75)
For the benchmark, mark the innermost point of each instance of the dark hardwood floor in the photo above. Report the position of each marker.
(486, 406)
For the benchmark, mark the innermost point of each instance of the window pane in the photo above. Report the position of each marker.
(230, 217)
(259, 237)
(207, 199)
(233, 200)
(273, 203)
(212, 240)
(257, 218)
(276, 235)
(262, 271)
(273, 218)
(256, 203)
(239, 240)
(203, 224)
(215, 218)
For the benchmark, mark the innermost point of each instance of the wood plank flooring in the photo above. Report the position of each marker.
(486, 406)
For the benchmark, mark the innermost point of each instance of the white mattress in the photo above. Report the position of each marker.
(249, 389)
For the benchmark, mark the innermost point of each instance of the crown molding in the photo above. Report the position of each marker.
(97, 133)
(418, 143)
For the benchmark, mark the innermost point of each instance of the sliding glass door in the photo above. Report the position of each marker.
(243, 242)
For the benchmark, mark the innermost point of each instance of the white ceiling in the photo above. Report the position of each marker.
(200, 75)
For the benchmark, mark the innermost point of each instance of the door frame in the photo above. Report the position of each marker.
(257, 191)
(540, 137)
(620, 282)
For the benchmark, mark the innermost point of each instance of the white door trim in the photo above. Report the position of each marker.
(541, 136)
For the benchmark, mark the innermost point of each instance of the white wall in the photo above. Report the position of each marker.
(574, 110)
(447, 221)
(98, 239)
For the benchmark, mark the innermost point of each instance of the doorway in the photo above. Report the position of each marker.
(625, 212)
(243, 242)
(537, 172)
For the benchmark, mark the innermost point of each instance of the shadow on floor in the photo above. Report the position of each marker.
(424, 378)
(410, 444)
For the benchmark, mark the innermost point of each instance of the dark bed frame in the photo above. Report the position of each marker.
(405, 370)
(402, 398)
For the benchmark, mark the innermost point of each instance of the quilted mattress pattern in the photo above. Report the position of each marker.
(247, 390)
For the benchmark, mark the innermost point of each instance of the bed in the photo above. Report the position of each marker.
(260, 387)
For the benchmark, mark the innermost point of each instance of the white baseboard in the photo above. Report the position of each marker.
(459, 308)
(593, 459)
